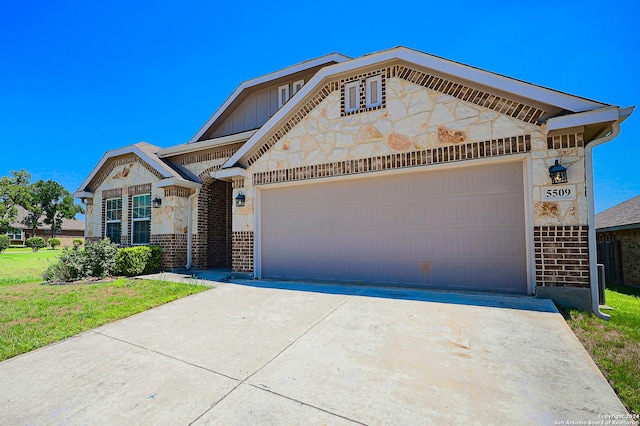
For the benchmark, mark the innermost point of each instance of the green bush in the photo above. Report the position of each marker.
(132, 261)
(54, 242)
(102, 258)
(155, 260)
(72, 264)
(96, 260)
(5, 242)
(77, 242)
(36, 243)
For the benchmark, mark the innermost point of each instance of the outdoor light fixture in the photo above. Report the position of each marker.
(558, 173)
(240, 200)
(156, 202)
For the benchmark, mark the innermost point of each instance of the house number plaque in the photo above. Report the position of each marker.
(559, 192)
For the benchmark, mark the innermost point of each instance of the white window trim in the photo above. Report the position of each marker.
(297, 85)
(378, 80)
(347, 96)
(140, 219)
(282, 101)
(112, 220)
(13, 233)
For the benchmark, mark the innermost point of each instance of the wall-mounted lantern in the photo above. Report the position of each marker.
(156, 203)
(558, 173)
(240, 200)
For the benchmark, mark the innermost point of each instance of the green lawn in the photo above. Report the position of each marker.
(614, 345)
(33, 314)
(23, 264)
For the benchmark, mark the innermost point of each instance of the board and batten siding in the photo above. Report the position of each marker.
(254, 110)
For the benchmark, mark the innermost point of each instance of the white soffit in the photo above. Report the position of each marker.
(333, 57)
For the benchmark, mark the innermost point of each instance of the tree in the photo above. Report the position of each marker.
(13, 192)
(49, 201)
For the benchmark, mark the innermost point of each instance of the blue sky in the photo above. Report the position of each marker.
(78, 78)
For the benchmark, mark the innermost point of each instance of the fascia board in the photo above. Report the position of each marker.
(229, 173)
(83, 194)
(177, 182)
(122, 151)
(189, 147)
(505, 84)
(619, 227)
(601, 115)
(333, 57)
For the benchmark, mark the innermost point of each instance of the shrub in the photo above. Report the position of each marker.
(5, 242)
(77, 242)
(36, 243)
(132, 261)
(54, 242)
(96, 260)
(102, 258)
(72, 264)
(155, 260)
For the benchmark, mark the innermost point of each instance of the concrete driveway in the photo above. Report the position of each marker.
(251, 353)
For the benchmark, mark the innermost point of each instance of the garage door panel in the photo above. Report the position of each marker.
(461, 228)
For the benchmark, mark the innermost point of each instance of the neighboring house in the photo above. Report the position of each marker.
(618, 230)
(396, 168)
(71, 229)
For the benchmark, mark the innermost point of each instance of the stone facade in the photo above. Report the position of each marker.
(419, 120)
(417, 128)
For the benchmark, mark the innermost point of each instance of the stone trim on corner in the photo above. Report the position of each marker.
(562, 256)
(242, 251)
(452, 153)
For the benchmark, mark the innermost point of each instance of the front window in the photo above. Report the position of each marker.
(15, 234)
(141, 219)
(113, 219)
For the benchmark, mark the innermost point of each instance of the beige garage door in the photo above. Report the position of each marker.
(462, 228)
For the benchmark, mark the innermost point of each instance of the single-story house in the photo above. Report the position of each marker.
(618, 233)
(71, 229)
(395, 168)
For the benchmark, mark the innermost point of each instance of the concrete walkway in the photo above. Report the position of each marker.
(280, 354)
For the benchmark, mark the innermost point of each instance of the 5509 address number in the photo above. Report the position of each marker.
(565, 192)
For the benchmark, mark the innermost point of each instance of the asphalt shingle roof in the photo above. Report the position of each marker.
(625, 213)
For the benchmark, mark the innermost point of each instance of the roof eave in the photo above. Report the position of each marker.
(333, 57)
(188, 148)
(131, 149)
(440, 65)
(619, 227)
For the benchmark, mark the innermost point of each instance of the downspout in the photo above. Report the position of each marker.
(591, 219)
(190, 226)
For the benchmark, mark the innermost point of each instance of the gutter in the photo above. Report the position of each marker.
(591, 217)
(190, 226)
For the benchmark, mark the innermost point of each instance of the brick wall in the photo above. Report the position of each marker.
(242, 251)
(219, 225)
(628, 245)
(174, 249)
(212, 241)
(562, 256)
